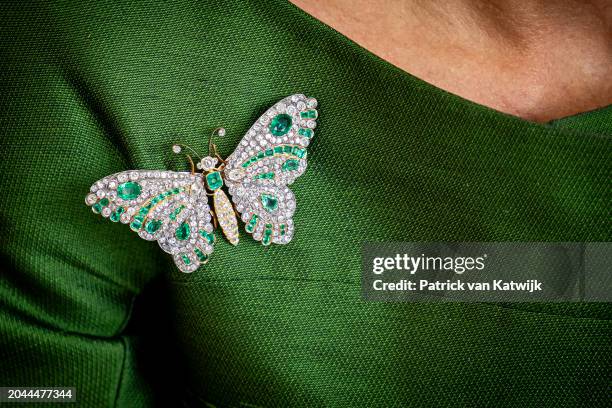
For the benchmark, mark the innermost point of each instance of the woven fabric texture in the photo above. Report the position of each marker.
(93, 88)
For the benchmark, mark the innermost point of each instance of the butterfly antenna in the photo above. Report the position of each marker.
(178, 148)
(212, 147)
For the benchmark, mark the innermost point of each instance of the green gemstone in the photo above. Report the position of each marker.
(182, 233)
(210, 238)
(186, 259)
(282, 229)
(288, 148)
(305, 132)
(269, 152)
(251, 225)
(96, 208)
(176, 212)
(104, 202)
(214, 180)
(265, 176)
(309, 114)
(267, 236)
(280, 124)
(269, 202)
(278, 149)
(116, 215)
(153, 226)
(137, 223)
(129, 190)
(290, 165)
(201, 255)
(261, 155)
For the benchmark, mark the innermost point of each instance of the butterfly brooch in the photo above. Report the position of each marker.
(173, 208)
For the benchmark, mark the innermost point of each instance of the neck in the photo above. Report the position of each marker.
(537, 59)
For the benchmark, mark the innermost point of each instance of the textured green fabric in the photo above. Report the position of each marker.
(92, 89)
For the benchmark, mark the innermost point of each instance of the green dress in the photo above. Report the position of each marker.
(93, 89)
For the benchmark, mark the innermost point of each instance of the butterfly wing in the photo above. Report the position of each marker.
(164, 206)
(269, 158)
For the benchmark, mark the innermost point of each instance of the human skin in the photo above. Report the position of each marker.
(536, 59)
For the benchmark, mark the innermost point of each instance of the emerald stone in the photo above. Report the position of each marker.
(269, 202)
(278, 149)
(96, 208)
(136, 224)
(282, 229)
(153, 226)
(176, 212)
(209, 237)
(182, 233)
(305, 132)
(186, 259)
(104, 202)
(269, 152)
(280, 124)
(129, 190)
(267, 236)
(288, 148)
(201, 255)
(116, 215)
(290, 165)
(214, 180)
(264, 176)
(309, 114)
(251, 225)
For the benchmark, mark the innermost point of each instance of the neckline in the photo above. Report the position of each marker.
(476, 107)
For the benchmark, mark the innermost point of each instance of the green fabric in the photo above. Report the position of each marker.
(93, 89)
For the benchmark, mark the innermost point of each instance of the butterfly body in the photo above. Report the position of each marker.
(173, 208)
